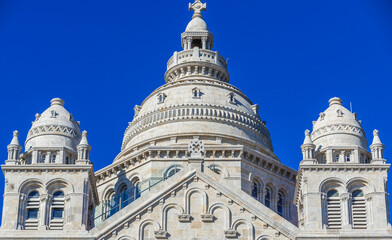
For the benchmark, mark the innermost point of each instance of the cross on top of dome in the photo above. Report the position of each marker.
(197, 7)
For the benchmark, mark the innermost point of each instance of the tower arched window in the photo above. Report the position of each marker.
(358, 210)
(57, 211)
(255, 190)
(333, 210)
(267, 197)
(280, 204)
(347, 156)
(32, 210)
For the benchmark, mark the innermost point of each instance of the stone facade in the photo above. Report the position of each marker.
(196, 162)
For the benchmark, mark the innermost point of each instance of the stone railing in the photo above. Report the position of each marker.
(196, 54)
(196, 112)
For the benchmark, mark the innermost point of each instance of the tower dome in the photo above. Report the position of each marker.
(54, 129)
(196, 24)
(338, 127)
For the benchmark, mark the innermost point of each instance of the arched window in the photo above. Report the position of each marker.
(172, 171)
(267, 197)
(57, 211)
(280, 203)
(215, 169)
(255, 190)
(358, 210)
(32, 210)
(124, 196)
(333, 210)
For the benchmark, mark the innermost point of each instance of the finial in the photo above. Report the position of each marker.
(15, 140)
(197, 7)
(376, 138)
(37, 116)
(375, 132)
(84, 138)
(335, 100)
(57, 101)
(308, 139)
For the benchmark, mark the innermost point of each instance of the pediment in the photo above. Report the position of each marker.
(192, 205)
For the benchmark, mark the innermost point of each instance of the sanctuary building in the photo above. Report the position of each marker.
(196, 162)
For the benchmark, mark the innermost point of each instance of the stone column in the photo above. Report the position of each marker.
(312, 214)
(380, 213)
(44, 211)
(329, 155)
(10, 211)
(48, 156)
(369, 210)
(61, 157)
(67, 212)
(345, 199)
(204, 42)
(34, 157)
(341, 156)
(21, 211)
(355, 156)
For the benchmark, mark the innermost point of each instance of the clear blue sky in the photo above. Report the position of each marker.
(103, 57)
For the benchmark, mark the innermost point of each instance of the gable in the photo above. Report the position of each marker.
(192, 205)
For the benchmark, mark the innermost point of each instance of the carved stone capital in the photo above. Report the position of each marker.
(231, 233)
(161, 234)
(369, 197)
(184, 218)
(207, 217)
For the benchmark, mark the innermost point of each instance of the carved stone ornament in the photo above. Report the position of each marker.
(231, 233)
(160, 234)
(184, 218)
(197, 7)
(207, 217)
(196, 148)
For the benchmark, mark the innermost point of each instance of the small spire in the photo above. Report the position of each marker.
(307, 140)
(197, 7)
(84, 138)
(376, 138)
(15, 140)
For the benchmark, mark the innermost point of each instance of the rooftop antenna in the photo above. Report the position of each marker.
(351, 107)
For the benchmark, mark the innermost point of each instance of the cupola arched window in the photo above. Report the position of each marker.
(333, 210)
(231, 98)
(57, 211)
(161, 97)
(358, 209)
(267, 197)
(196, 93)
(32, 210)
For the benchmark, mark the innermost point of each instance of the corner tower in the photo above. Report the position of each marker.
(51, 186)
(341, 186)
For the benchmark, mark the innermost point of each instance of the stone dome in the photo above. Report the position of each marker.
(338, 127)
(55, 127)
(220, 110)
(196, 24)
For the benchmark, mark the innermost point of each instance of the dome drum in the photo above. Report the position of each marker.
(197, 62)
